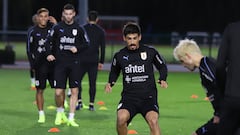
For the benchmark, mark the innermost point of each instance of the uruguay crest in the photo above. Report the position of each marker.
(143, 55)
(74, 32)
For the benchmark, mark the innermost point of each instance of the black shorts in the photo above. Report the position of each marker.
(67, 70)
(135, 106)
(43, 73)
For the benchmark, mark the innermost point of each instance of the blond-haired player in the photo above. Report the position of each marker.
(189, 54)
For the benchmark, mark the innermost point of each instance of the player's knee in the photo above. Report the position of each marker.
(121, 120)
(152, 119)
(152, 122)
(74, 91)
(122, 117)
(58, 93)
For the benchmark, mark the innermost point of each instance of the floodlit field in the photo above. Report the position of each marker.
(179, 113)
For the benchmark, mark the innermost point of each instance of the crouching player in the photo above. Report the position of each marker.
(139, 94)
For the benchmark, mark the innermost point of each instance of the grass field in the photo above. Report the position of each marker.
(179, 113)
(165, 50)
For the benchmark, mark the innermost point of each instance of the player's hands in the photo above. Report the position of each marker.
(163, 84)
(100, 66)
(73, 49)
(216, 119)
(52, 20)
(50, 58)
(32, 69)
(108, 88)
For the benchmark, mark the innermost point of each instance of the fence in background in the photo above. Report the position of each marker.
(202, 38)
(114, 40)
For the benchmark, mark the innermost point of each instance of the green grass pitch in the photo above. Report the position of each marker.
(179, 113)
(165, 50)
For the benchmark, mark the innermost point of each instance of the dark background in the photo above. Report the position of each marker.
(155, 16)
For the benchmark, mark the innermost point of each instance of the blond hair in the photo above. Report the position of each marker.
(186, 46)
(39, 11)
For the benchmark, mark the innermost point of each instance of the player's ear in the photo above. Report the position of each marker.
(124, 38)
(188, 55)
(140, 37)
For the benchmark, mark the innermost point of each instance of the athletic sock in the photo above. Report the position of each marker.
(41, 112)
(71, 116)
(60, 109)
(91, 106)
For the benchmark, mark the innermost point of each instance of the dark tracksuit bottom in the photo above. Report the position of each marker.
(91, 69)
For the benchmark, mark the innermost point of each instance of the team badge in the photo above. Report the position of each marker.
(74, 32)
(143, 55)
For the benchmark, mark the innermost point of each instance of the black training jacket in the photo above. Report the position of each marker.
(95, 53)
(207, 70)
(138, 71)
(36, 39)
(63, 37)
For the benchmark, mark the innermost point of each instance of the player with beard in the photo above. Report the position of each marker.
(189, 54)
(37, 55)
(139, 94)
(67, 38)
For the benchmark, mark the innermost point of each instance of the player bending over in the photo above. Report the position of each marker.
(189, 54)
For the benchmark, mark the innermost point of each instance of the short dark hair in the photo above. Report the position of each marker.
(69, 7)
(131, 28)
(92, 15)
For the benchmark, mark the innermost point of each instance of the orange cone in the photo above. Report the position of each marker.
(194, 96)
(100, 103)
(132, 132)
(53, 130)
(33, 88)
